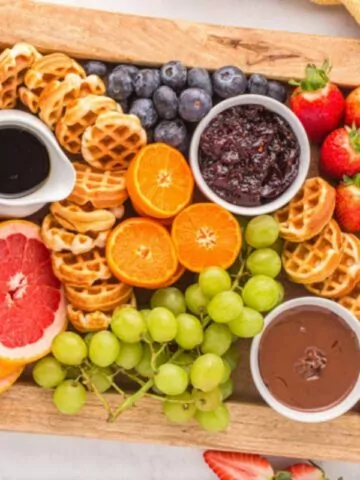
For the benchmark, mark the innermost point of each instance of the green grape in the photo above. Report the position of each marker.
(214, 280)
(145, 314)
(171, 298)
(264, 261)
(227, 372)
(281, 292)
(225, 307)
(69, 348)
(185, 360)
(216, 421)
(227, 389)
(88, 337)
(261, 293)
(232, 356)
(278, 245)
(130, 355)
(217, 339)
(207, 401)
(144, 367)
(262, 231)
(249, 324)
(101, 378)
(73, 373)
(69, 397)
(179, 412)
(48, 372)
(162, 325)
(171, 379)
(128, 325)
(104, 349)
(189, 331)
(207, 372)
(196, 300)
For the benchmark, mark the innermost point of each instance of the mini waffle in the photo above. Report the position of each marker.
(308, 212)
(351, 301)
(82, 270)
(113, 141)
(316, 259)
(82, 219)
(78, 117)
(88, 321)
(347, 274)
(13, 64)
(104, 296)
(58, 239)
(48, 68)
(101, 189)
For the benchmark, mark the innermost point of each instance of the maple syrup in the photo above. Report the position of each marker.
(24, 162)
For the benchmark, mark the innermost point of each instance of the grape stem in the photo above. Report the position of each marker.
(101, 398)
(155, 355)
(132, 377)
(167, 399)
(130, 401)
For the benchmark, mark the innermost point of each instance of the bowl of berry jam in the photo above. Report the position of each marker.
(250, 155)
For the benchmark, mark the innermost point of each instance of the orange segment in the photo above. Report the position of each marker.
(140, 252)
(8, 376)
(159, 181)
(206, 234)
(177, 275)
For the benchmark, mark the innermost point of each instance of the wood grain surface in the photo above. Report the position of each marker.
(115, 37)
(254, 428)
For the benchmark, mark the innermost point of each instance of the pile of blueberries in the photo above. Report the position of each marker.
(171, 100)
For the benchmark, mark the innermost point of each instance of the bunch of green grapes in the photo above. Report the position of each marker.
(182, 350)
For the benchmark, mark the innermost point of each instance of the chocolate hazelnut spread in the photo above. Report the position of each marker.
(309, 358)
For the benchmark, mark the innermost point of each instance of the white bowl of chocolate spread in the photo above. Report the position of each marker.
(306, 362)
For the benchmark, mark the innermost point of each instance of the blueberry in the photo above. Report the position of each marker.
(258, 84)
(172, 132)
(194, 104)
(124, 104)
(200, 78)
(120, 85)
(166, 102)
(150, 135)
(93, 67)
(229, 81)
(277, 91)
(174, 75)
(146, 82)
(131, 69)
(145, 110)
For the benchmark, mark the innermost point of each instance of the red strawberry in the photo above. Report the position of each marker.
(303, 471)
(317, 102)
(238, 466)
(352, 108)
(348, 204)
(340, 153)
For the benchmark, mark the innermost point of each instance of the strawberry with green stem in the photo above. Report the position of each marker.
(317, 102)
(347, 208)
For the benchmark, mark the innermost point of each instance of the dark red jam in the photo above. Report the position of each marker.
(249, 155)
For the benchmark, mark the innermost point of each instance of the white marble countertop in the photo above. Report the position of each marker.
(35, 457)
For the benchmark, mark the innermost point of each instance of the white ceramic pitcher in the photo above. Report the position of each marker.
(60, 182)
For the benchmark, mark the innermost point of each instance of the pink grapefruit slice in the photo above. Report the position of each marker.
(32, 301)
(9, 375)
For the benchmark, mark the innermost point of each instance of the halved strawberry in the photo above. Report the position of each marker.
(304, 471)
(347, 208)
(239, 466)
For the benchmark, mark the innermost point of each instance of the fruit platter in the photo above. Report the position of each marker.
(179, 234)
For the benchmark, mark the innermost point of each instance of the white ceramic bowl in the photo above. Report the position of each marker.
(297, 128)
(302, 416)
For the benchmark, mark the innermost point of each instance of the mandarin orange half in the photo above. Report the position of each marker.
(159, 181)
(204, 235)
(140, 252)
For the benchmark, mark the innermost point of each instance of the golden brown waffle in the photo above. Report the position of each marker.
(83, 270)
(101, 189)
(104, 296)
(316, 259)
(88, 321)
(353, 7)
(58, 239)
(13, 64)
(80, 115)
(55, 66)
(351, 301)
(308, 212)
(347, 274)
(82, 219)
(59, 94)
(113, 141)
